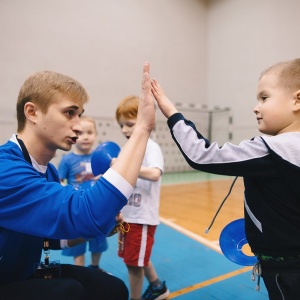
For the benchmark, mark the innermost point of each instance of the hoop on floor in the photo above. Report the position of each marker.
(232, 240)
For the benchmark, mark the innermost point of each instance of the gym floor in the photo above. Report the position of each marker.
(188, 259)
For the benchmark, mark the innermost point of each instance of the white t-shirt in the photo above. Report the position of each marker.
(143, 204)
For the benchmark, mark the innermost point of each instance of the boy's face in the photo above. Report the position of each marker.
(60, 126)
(274, 111)
(127, 126)
(87, 137)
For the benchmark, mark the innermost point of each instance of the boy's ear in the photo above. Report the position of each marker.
(298, 95)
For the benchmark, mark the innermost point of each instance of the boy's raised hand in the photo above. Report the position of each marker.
(165, 105)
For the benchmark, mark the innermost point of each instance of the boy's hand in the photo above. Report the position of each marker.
(165, 105)
(113, 160)
(119, 218)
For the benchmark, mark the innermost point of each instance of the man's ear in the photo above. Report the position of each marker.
(30, 111)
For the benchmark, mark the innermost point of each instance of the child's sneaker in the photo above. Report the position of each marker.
(156, 293)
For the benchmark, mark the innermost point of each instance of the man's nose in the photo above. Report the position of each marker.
(77, 127)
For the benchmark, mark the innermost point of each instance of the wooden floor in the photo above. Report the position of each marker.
(193, 205)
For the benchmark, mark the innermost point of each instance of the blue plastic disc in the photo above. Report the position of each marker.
(232, 239)
(102, 157)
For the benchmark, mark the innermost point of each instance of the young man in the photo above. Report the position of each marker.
(270, 166)
(35, 209)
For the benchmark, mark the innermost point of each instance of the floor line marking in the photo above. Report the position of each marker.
(208, 282)
(192, 235)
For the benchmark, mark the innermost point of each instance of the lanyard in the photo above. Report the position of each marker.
(28, 159)
(25, 152)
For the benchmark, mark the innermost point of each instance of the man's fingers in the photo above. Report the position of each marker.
(146, 76)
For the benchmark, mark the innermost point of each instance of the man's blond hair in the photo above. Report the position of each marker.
(42, 89)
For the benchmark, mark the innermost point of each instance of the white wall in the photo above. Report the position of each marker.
(204, 52)
(103, 44)
(244, 38)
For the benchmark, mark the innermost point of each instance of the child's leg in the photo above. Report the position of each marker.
(77, 252)
(96, 251)
(151, 274)
(135, 249)
(96, 258)
(136, 278)
(282, 279)
(79, 260)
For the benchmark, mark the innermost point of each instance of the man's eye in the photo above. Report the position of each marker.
(70, 113)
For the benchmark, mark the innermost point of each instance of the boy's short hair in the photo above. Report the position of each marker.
(288, 73)
(128, 108)
(42, 88)
(89, 119)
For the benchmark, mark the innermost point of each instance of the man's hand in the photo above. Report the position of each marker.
(135, 147)
(146, 111)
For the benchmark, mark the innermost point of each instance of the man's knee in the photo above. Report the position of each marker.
(67, 288)
(47, 289)
(123, 291)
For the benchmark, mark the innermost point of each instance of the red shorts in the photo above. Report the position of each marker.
(135, 246)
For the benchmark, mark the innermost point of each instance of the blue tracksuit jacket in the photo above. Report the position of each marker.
(34, 206)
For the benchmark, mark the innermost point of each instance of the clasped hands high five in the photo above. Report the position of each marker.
(146, 108)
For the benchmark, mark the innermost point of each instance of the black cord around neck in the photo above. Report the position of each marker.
(25, 151)
(221, 205)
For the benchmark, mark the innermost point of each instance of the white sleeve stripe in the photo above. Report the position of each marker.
(194, 147)
(252, 217)
(119, 182)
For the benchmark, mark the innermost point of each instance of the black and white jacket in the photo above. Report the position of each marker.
(270, 167)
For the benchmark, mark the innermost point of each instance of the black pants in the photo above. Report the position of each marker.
(77, 283)
(282, 279)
